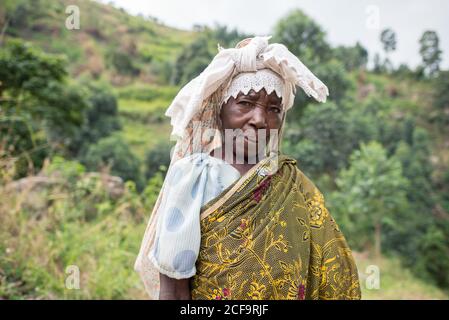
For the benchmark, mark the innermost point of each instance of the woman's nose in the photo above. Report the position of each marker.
(259, 117)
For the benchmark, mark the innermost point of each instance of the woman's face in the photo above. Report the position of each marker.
(254, 114)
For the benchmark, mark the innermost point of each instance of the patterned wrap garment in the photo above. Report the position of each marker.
(270, 236)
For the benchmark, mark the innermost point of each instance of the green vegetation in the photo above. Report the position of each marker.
(80, 107)
(80, 221)
(395, 281)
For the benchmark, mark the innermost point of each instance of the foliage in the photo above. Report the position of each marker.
(196, 56)
(39, 110)
(388, 39)
(441, 97)
(303, 37)
(371, 194)
(320, 142)
(430, 52)
(80, 225)
(101, 119)
(389, 42)
(420, 248)
(306, 39)
(156, 158)
(113, 153)
(123, 63)
(353, 58)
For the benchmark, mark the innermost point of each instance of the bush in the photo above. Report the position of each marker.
(123, 63)
(40, 112)
(100, 119)
(157, 159)
(37, 247)
(17, 140)
(441, 99)
(114, 153)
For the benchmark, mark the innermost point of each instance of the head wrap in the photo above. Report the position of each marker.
(261, 79)
(250, 55)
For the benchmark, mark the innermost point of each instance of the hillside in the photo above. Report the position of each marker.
(118, 47)
(131, 53)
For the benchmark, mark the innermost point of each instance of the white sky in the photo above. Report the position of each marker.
(345, 21)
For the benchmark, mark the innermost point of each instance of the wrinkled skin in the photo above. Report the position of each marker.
(251, 113)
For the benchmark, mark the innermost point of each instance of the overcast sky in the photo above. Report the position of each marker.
(345, 21)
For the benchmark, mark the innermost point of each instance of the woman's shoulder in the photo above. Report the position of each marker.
(203, 173)
(319, 215)
(304, 183)
(202, 161)
(200, 158)
(191, 159)
(300, 175)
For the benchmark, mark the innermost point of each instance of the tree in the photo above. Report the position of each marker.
(196, 56)
(114, 153)
(371, 192)
(334, 75)
(353, 58)
(322, 144)
(404, 72)
(101, 119)
(155, 158)
(33, 83)
(430, 52)
(388, 39)
(34, 95)
(441, 99)
(18, 15)
(192, 61)
(123, 62)
(307, 40)
(227, 37)
(336, 78)
(303, 37)
(327, 134)
(378, 65)
(423, 235)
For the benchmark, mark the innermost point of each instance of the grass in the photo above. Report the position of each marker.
(144, 124)
(143, 111)
(77, 224)
(396, 282)
(140, 91)
(143, 136)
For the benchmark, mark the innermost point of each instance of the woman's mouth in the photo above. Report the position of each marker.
(251, 139)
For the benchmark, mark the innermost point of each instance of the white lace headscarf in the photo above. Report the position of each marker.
(197, 107)
(254, 54)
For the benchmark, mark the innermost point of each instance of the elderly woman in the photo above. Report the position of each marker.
(237, 219)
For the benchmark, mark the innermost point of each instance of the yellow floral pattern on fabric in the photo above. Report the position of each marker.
(318, 212)
(274, 239)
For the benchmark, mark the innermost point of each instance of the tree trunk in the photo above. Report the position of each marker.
(2, 33)
(377, 241)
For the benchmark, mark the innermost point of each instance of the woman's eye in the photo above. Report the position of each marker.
(246, 103)
(275, 109)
